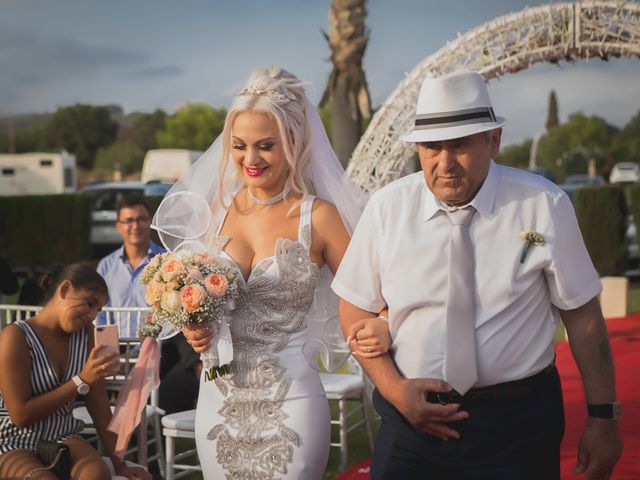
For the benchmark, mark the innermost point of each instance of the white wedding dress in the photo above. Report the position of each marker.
(269, 417)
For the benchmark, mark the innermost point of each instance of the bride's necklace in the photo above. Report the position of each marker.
(269, 201)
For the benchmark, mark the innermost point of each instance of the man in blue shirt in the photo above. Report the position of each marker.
(180, 366)
(123, 268)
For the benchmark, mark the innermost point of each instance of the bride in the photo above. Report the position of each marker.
(270, 197)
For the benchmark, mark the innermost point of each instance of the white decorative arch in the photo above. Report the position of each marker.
(549, 33)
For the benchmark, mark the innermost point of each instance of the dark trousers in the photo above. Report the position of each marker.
(515, 439)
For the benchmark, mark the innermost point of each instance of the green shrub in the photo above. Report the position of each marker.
(602, 216)
(37, 230)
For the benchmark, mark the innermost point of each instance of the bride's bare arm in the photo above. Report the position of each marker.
(329, 236)
(370, 336)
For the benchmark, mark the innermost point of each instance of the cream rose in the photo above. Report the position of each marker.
(154, 293)
(171, 301)
(203, 258)
(216, 285)
(192, 297)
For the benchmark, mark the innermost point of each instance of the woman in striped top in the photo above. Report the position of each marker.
(44, 365)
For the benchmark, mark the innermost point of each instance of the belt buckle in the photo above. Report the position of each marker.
(440, 400)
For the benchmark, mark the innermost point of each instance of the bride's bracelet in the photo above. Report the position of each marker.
(383, 317)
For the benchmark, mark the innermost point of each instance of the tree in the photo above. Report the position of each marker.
(194, 126)
(143, 133)
(123, 154)
(81, 130)
(626, 145)
(567, 148)
(347, 89)
(552, 112)
(515, 155)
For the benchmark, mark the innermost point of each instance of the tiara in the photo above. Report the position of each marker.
(275, 94)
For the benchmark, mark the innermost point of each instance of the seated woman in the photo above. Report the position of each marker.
(45, 362)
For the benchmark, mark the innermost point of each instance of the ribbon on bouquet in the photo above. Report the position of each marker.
(220, 350)
(135, 392)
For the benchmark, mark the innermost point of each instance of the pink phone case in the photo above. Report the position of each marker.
(108, 335)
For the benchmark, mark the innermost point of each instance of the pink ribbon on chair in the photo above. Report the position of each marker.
(135, 392)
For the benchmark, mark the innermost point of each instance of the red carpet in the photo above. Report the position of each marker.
(625, 343)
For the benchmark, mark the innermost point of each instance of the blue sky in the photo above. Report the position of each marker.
(146, 54)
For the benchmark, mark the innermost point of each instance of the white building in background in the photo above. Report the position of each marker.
(167, 164)
(37, 173)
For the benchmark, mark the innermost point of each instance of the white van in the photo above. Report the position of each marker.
(625, 172)
(167, 164)
(37, 173)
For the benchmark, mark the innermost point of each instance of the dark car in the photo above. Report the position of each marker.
(575, 182)
(105, 198)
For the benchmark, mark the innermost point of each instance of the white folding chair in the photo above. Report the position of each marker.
(129, 353)
(179, 425)
(348, 386)
(12, 313)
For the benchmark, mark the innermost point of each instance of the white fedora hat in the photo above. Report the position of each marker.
(453, 106)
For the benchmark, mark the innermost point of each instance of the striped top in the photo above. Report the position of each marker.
(60, 424)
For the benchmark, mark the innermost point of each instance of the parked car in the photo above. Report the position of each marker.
(625, 172)
(105, 198)
(575, 182)
(543, 172)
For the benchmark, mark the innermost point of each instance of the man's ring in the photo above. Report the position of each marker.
(369, 350)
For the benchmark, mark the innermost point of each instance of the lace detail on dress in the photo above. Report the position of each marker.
(218, 243)
(253, 442)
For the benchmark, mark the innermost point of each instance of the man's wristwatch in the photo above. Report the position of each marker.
(608, 411)
(81, 386)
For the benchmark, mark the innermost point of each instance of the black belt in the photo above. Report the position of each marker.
(499, 392)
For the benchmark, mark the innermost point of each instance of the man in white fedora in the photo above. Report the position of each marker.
(476, 263)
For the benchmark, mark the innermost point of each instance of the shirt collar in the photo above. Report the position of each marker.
(483, 201)
(152, 251)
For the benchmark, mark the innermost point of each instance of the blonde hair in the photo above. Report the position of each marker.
(279, 94)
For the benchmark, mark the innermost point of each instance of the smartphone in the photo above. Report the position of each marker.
(107, 335)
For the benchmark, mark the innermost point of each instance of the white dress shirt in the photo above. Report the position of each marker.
(399, 253)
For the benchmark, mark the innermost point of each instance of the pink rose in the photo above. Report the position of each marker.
(192, 297)
(172, 270)
(204, 258)
(194, 273)
(216, 285)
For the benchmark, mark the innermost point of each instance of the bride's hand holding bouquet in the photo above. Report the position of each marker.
(192, 292)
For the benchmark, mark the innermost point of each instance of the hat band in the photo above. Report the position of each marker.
(454, 119)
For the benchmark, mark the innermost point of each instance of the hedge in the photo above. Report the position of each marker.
(602, 216)
(37, 230)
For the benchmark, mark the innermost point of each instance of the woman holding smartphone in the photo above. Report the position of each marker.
(45, 363)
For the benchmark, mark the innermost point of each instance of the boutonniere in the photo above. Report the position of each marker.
(530, 237)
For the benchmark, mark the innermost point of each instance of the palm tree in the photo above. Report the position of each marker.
(347, 91)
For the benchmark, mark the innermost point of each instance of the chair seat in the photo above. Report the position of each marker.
(338, 384)
(81, 413)
(180, 421)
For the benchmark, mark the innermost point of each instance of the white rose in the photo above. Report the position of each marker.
(171, 301)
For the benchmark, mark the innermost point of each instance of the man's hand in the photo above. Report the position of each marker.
(410, 398)
(599, 449)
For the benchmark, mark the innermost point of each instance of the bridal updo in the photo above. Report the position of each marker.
(279, 94)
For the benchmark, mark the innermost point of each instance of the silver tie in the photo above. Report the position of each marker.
(460, 364)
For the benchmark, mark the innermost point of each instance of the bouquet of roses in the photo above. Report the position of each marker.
(191, 288)
(182, 288)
